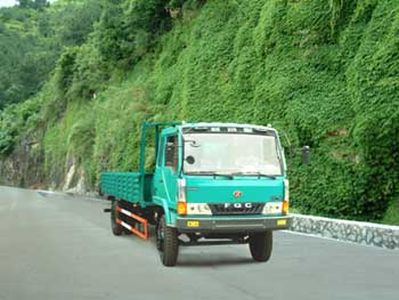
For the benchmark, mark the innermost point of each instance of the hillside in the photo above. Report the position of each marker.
(325, 73)
(32, 37)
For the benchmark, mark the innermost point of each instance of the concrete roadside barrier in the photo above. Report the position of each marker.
(364, 233)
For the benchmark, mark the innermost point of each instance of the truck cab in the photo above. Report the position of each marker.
(222, 182)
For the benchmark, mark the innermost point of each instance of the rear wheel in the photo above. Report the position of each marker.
(167, 243)
(117, 229)
(261, 245)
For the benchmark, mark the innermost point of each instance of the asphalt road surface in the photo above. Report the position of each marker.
(61, 247)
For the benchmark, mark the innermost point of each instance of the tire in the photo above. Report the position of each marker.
(167, 243)
(261, 245)
(117, 229)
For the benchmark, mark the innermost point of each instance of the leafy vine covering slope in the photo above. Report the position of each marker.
(325, 73)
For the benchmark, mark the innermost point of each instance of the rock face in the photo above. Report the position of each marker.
(24, 167)
(75, 181)
(364, 233)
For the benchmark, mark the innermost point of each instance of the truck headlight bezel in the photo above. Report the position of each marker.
(272, 208)
(198, 209)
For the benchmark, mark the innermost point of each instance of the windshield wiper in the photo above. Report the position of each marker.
(259, 174)
(223, 174)
(210, 173)
(231, 175)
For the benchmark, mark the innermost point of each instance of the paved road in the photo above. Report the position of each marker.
(61, 247)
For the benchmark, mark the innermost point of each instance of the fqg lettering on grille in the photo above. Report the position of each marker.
(238, 205)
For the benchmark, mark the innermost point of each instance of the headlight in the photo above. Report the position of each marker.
(198, 209)
(272, 208)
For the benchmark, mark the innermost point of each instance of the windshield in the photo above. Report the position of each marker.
(231, 153)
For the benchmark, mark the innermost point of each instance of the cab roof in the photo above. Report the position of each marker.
(207, 125)
(200, 125)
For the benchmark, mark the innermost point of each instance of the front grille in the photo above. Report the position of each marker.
(236, 208)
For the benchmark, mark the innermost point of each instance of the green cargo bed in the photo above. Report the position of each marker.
(128, 186)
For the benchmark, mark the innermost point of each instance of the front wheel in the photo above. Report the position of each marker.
(167, 243)
(261, 245)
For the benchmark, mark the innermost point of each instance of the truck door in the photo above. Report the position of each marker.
(167, 173)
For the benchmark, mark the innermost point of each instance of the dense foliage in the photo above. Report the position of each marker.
(323, 72)
(32, 36)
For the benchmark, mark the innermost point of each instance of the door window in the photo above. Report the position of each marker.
(171, 152)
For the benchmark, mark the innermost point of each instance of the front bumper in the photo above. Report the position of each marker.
(231, 225)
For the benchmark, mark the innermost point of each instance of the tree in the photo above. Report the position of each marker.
(25, 3)
(35, 4)
(74, 21)
(129, 28)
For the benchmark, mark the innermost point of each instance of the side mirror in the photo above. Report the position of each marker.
(193, 143)
(190, 159)
(305, 155)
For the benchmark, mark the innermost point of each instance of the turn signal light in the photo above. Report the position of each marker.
(285, 207)
(182, 208)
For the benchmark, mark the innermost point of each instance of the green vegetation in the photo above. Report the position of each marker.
(32, 37)
(392, 214)
(323, 72)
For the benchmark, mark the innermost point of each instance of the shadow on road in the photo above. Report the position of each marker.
(213, 260)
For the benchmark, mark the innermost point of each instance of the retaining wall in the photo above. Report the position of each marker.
(378, 235)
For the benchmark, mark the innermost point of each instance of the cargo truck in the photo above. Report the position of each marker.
(211, 184)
